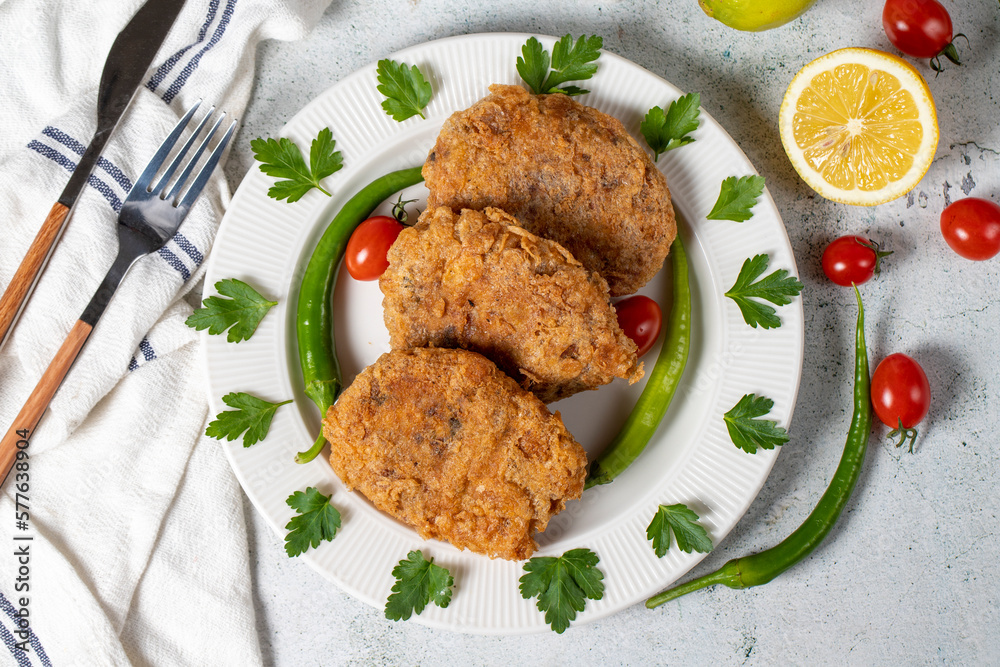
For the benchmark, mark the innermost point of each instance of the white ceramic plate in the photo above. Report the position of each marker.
(691, 458)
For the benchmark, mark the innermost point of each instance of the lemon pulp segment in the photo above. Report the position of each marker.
(858, 127)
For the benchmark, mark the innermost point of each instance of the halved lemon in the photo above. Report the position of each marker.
(859, 125)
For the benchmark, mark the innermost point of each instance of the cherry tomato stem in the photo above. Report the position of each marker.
(904, 435)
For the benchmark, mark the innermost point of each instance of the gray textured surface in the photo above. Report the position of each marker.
(908, 575)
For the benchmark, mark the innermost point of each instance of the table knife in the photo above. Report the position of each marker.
(130, 56)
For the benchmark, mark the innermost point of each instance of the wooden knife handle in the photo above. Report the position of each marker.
(26, 420)
(31, 265)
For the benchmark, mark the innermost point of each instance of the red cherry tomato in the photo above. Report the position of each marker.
(901, 395)
(971, 226)
(640, 319)
(852, 259)
(368, 246)
(918, 28)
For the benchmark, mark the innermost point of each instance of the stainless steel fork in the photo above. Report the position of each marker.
(149, 217)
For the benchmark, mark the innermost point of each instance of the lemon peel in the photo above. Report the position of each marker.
(755, 15)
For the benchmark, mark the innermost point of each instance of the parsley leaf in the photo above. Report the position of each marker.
(252, 415)
(317, 520)
(736, 197)
(281, 158)
(778, 288)
(243, 311)
(667, 131)
(418, 582)
(406, 92)
(683, 523)
(562, 585)
(571, 61)
(533, 64)
(747, 432)
(323, 159)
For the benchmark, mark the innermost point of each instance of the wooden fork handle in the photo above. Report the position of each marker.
(26, 420)
(31, 265)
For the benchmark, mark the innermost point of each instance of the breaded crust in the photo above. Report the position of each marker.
(566, 171)
(480, 282)
(445, 442)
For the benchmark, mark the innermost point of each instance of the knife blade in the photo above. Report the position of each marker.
(130, 56)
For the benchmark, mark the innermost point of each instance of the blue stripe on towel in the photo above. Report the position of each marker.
(52, 154)
(192, 65)
(174, 261)
(78, 148)
(148, 354)
(8, 639)
(168, 64)
(69, 165)
(147, 349)
(35, 643)
(189, 248)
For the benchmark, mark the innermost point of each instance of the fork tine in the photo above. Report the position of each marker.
(174, 191)
(146, 178)
(206, 171)
(165, 178)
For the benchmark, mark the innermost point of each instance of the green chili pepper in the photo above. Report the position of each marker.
(314, 317)
(645, 417)
(762, 567)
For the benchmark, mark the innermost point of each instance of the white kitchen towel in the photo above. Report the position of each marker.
(136, 549)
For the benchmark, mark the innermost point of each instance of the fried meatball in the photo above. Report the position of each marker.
(566, 171)
(478, 281)
(445, 442)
